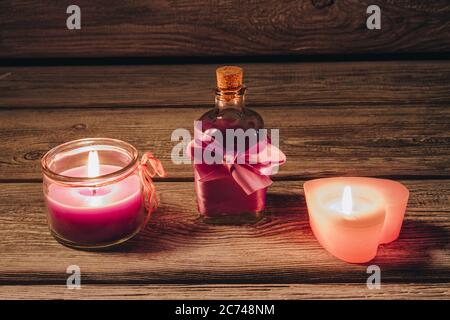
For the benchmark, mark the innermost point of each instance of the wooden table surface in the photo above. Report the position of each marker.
(383, 117)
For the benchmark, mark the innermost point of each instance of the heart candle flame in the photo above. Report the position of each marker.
(93, 164)
(347, 201)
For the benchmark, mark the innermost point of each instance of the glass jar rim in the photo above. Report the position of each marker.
(90, 181)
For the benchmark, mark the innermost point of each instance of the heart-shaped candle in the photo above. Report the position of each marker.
(352, 216)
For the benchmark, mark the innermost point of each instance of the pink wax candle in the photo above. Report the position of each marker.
(97, 192)
(351, 216)
(102, 215)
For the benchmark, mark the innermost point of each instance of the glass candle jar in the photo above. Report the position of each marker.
(97, 192)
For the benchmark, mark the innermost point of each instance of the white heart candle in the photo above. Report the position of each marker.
(351, 216)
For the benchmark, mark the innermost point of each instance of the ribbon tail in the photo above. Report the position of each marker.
(248, 180)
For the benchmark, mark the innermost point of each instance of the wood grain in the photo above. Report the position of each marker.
(220, 27)
(283, 84)
(178, 248)
(357, 140)
(229, 292)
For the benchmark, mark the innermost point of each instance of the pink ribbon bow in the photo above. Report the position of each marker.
(250, 169)
(149, 168)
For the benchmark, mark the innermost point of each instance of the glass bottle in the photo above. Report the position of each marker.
(223, 200)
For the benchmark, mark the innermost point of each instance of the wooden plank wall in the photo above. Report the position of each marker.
(164, 28)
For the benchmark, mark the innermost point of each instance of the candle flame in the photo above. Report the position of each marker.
(93, 164)
(347, 201)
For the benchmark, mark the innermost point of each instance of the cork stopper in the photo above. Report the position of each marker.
(229, 78)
